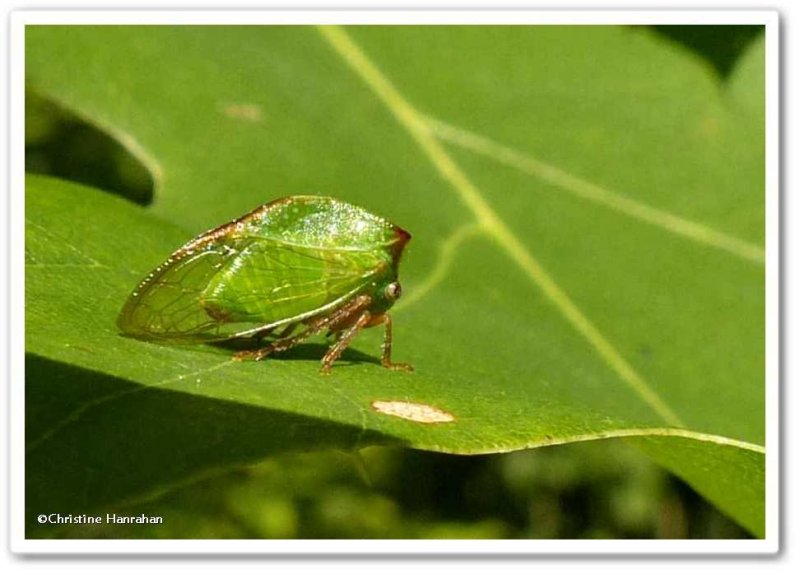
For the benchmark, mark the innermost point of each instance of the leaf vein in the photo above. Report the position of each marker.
(447, 253)
(582, 188)
(91, 261)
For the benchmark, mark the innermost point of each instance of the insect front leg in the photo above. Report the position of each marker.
(386, 358)
(336, 350)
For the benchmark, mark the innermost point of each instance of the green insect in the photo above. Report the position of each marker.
(288, 270)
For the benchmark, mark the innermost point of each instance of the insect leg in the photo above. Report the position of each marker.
(280, 345)
(314, 327)
(386, 358)
(338, 348)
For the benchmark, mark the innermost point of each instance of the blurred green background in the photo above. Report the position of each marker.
(603, 489)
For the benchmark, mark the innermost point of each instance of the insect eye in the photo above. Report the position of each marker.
(393, 291)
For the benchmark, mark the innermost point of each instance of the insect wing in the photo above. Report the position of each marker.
(168, 305)
(236, 285)
(272, 282)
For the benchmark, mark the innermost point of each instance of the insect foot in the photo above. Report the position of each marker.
(405, 367)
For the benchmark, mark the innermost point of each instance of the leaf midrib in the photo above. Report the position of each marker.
(415, 124)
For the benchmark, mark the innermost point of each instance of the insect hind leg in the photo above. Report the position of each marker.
(281, 344)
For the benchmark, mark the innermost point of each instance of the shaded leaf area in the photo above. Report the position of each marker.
(60, 144)
(140, 439)
(228, 118)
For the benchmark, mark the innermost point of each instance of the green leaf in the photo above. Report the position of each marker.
(587, 262)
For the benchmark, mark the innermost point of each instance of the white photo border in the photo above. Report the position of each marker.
(18, 542)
